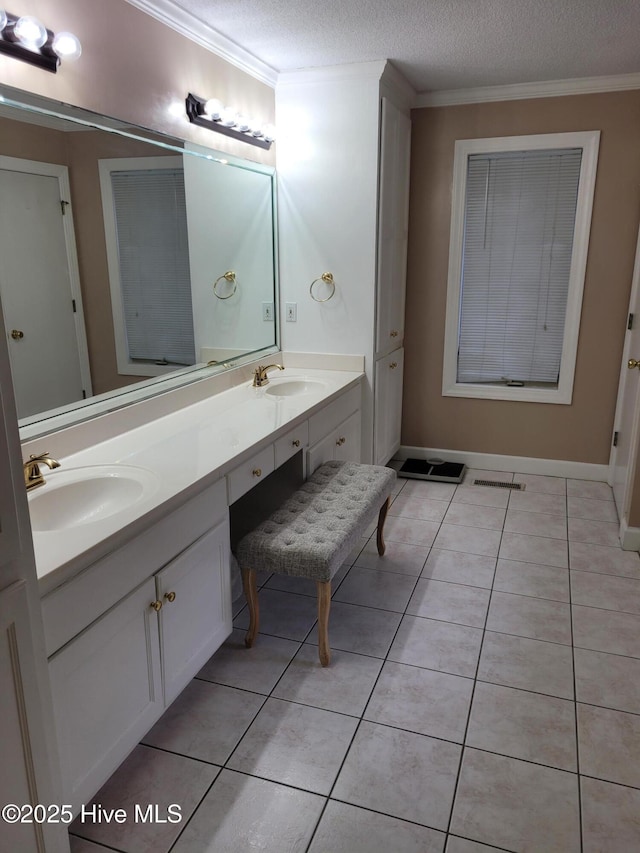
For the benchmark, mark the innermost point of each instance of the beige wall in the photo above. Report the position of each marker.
(579, 432)
(134, 68)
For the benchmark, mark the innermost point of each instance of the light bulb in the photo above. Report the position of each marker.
(3, 19)
(213, 108)
(228, 117)
(243, 124)
(269, 132)
(256, 130)
(67, 46)
(30, 32)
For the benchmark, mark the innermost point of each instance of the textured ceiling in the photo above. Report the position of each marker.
(437, 44)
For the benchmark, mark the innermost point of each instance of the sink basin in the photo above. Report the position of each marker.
(294, 387)
(80, 496)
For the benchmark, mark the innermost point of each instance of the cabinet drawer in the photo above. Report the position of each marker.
(291, 443)
(71, 607)
(253, 471)
(322, 423)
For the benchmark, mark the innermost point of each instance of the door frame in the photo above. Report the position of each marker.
(634, 308)
(61, 173)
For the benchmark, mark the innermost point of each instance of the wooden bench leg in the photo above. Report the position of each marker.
(324, 603)
(381, 520)
(251, 594)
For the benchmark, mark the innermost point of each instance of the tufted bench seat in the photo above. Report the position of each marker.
(313, 533)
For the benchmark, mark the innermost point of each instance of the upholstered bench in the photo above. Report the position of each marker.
(313, 533)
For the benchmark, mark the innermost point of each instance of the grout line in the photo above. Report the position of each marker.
(575, 697)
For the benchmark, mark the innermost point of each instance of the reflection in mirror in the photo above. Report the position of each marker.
(129, 263)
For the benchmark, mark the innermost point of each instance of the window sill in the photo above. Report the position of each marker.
(501, 392)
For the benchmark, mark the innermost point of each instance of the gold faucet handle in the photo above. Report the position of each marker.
(44, 457)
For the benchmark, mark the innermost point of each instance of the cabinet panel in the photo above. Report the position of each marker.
(196, 608)
(388, 406)
(106, 693)
(290, 443)
(393, 226)
(245, 476)
(344, 443)
(321, 424)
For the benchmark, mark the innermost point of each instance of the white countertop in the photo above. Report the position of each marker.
(186, 450)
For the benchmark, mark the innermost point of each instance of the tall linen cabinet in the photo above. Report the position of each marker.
(343, 152)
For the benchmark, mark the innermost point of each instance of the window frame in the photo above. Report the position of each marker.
(589, 142)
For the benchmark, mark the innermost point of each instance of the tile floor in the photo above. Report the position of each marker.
(484, 694)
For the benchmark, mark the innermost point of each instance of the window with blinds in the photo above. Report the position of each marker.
(521, 216)
(518, 238)
(153, 252)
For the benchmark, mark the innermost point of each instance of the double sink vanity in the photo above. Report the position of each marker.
(132, 549)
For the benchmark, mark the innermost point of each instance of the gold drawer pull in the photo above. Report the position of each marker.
(170, 596)
(156, 605)
(257, 472)
(394, 333)
(341, 441)
(296, 442)
(393, 365)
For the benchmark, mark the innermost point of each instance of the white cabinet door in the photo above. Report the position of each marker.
(388, 406)
(393, 226)
(106, 692)
(344, 442)
(195, 617)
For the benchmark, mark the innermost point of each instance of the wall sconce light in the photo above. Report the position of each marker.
(214, 115)
(27, 39)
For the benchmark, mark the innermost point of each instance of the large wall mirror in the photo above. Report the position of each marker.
(131, 262)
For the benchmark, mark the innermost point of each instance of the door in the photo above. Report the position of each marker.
(623, 456)
(43, 317)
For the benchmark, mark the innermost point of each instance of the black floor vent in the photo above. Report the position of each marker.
(516, 487)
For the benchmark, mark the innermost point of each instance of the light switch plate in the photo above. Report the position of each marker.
(291, 312)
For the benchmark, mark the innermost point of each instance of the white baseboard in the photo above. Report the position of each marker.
(518, 464)
(629, 537)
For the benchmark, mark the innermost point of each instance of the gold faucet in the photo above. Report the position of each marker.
(260, 377)
(32, 476)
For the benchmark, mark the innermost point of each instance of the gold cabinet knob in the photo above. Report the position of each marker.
(341, 440)
(633, 363)
(156, 605)
(257, 472)
(393, 365)
(296, 442)
(393, 333)
(16, 334)
(170, 596)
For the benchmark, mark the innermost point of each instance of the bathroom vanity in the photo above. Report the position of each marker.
(135, 599)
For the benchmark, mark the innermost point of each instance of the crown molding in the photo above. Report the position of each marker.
(172, 16)
(519, 91)
(394, 84)
(323, 73)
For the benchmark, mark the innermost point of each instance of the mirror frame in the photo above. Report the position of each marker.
(40, 425)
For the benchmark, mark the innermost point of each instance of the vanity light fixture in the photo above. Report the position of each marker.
(27, 39)
(214, 115)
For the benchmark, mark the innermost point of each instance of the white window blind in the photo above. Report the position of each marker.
(151, 225)
(520, 211)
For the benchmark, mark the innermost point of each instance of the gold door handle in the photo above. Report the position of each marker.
(393, 365)
(296, 442)
(16, 334)
(170, 596)
(633, 363)
(156, 605)
(341, 441)
(257, 472)
(393, 333)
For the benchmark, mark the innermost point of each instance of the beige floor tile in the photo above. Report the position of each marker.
(611, 681)
(398, 557)
(535, 502)
(530, 579)
(348, 829)
(437, 645)
(536, 524)
(241, 813)
(414, 506)
(463, 845)
(523, 725)
(473, 515)
(516, 805)
(534, 549)
(609, 744)
(481, 496)
(527, 664)
(411, 531)
(589, 489)
(471, 540)
(426, 489)
(592, 509)
(372, 588)
(282, 614)
(374, 774)
(363, 630)
(609, 817)
(450, 602)
(604, 559)
(458, 567)
(606, 631)
(605, 591)
(537, 618)
(422, 701)
(594, 532)
(541, 483)
(344, 686)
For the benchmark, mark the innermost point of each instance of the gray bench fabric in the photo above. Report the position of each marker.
(314, 531)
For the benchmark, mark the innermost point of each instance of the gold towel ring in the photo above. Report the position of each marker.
(327, 277)
(228, 276)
